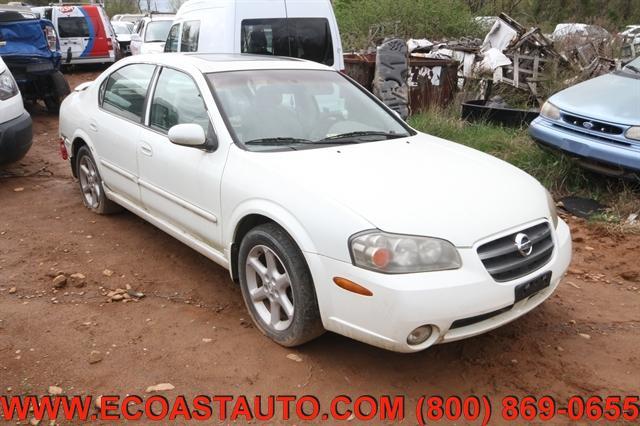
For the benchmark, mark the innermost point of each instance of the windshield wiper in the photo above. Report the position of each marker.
(277, 141)
(355, 135)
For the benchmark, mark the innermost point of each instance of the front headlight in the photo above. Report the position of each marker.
(553, 209)
(402, 254)
(8, 86)
(550, 111)
(633, 133)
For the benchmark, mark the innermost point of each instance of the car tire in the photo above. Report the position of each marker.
(93, 195)
(58, 90)
(273, 271)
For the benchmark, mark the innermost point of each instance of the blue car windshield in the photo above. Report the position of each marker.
(633, 66)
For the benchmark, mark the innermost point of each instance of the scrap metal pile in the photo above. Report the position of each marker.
(514, 68)
(530, 61)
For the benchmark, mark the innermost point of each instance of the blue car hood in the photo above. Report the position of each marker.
(612, 97)
(25, 39)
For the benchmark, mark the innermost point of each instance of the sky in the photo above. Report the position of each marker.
(159, 5)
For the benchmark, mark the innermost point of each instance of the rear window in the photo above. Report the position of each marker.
(305, 38)
(73, 27)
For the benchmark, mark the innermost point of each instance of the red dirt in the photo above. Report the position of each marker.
(44, 229)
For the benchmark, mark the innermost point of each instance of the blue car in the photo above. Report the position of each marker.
(597, 122)
(31, 49)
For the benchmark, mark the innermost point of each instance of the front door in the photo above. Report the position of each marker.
(180, 184)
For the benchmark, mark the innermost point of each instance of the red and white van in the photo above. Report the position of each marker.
(86, 35)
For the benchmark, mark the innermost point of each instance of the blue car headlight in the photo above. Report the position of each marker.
(633, 133)
(550, 111)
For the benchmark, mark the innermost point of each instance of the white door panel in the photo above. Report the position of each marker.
(172, 187)
(117, 144)
(180, 184)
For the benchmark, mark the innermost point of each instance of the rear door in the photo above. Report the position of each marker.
(117, 124)
(73, 30)
(82, 31)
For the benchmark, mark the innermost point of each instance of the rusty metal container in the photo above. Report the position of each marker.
(361, 68)
(432, 82)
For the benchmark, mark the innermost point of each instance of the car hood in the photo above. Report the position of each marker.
(152, 47)
(418, 186)
(611, 97)
(123, 38)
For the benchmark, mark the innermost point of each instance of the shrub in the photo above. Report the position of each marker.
(431, 19)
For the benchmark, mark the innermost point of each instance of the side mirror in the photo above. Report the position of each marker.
(188, 135)
(136, 38)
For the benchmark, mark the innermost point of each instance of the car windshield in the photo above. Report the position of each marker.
(301, 108)
(157, 31)
(633, 66)
(122, 27)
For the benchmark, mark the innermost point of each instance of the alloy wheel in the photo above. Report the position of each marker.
(89, 182)
(269, 288)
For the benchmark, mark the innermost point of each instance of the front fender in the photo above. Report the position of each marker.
(273, 211)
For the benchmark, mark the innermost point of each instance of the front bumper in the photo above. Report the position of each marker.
(585, 147)
(15, 138)
(401, 303)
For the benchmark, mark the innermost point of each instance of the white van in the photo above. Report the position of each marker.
(304, 29)
(86, 35)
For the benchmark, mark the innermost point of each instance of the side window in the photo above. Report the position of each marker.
(311, 39)
(265, 37)
(190, 36)
(126, 90)
(305, 38)
(177, 100)
(172, 39)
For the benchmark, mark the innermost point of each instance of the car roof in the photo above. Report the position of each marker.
(219, 62)
(160, 17)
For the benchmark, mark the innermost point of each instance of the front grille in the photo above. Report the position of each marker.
(594, 126)
(505, 263)
(584, 133)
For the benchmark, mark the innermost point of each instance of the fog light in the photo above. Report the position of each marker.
(419, 335)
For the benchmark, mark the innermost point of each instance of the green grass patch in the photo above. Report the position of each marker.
(556, 172)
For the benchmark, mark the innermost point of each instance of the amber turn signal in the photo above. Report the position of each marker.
(352, 287)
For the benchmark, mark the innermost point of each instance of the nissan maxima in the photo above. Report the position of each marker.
(329, 211)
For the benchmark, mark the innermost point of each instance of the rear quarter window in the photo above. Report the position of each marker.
(73, 26)
(190, 36)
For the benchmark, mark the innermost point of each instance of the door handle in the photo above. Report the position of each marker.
(93, 126)
(146, 150)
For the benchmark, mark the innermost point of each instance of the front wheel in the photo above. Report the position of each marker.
(93, 195)
(277, 286)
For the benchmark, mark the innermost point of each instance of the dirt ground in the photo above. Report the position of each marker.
(192, 330)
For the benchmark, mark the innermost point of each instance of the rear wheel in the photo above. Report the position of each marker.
(277, 286)
(58, 90)
(93, 195)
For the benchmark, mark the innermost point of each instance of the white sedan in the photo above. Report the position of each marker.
(329, 210)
